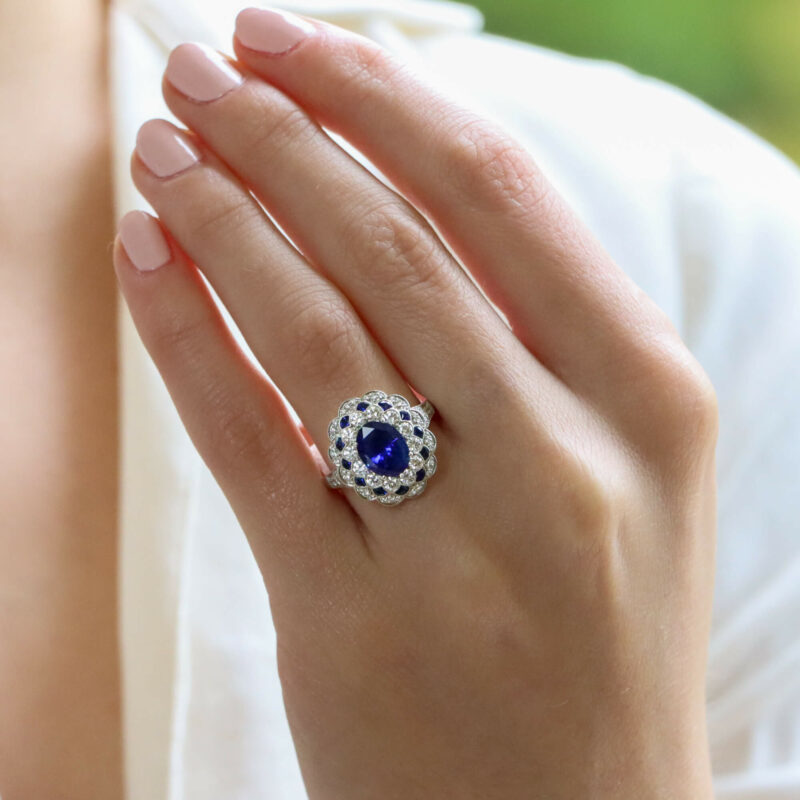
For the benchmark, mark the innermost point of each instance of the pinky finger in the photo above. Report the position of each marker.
(236, 419)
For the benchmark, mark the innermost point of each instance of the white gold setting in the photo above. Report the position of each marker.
(411, 422)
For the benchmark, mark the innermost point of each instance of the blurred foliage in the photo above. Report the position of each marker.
(741, 56)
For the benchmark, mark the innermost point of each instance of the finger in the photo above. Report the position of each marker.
(299, 326)
(565, 297)
(413, 296)
(297, 527)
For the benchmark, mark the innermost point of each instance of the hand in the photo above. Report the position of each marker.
(535, 624)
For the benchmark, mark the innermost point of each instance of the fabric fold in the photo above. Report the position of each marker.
(701, 213)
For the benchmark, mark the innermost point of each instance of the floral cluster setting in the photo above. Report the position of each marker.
(382, 447)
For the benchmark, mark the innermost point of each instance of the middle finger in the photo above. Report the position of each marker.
(415, 298)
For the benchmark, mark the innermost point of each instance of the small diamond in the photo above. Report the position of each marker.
(365, 491)
(417, 488)
(347, 406)
(418, 418)
(390, 484)
(375, 396)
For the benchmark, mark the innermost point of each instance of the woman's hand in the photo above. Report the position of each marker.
(533, 625)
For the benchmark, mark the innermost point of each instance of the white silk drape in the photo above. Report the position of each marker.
(701, 213)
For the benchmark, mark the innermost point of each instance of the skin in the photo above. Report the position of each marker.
(59, 670)
(535, 624)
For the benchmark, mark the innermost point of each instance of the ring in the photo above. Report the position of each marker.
(382, 447)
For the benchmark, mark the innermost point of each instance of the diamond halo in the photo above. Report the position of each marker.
(355, 460)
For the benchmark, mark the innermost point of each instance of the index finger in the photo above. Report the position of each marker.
(566, 299)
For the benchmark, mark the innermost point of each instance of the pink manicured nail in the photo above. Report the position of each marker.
(143, 241)
(200, 72)
(164, 149)
(270, 31)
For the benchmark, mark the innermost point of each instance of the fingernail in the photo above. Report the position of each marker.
(143, 241)
(164, 149)
(270, 31)
(200, 72)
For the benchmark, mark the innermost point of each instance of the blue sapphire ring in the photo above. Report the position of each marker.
(382, 447)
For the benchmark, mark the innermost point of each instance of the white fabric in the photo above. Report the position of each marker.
(702, 214)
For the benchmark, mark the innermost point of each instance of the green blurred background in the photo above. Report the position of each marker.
(741, 56)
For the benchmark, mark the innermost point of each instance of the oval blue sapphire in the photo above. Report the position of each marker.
(382, 448)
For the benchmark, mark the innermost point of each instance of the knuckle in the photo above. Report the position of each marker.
(687, 405)
(589, 501)
(493, 170)
(395, 250)
(219, 221)
(364, 66)
(495, 381)
(276, 124)
(174, 336)
(327, 338)
(237, 435)
(234, 430)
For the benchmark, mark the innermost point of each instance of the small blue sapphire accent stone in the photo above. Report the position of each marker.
(405, 415)
(382, 448)
(424, 452)
(379, 490)
(362, 406)
(346, 464)
(402, 490)
(420, 474)
(361, 482)
(339, 444)
(417, 431)
(345, 421)
(385, 406)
